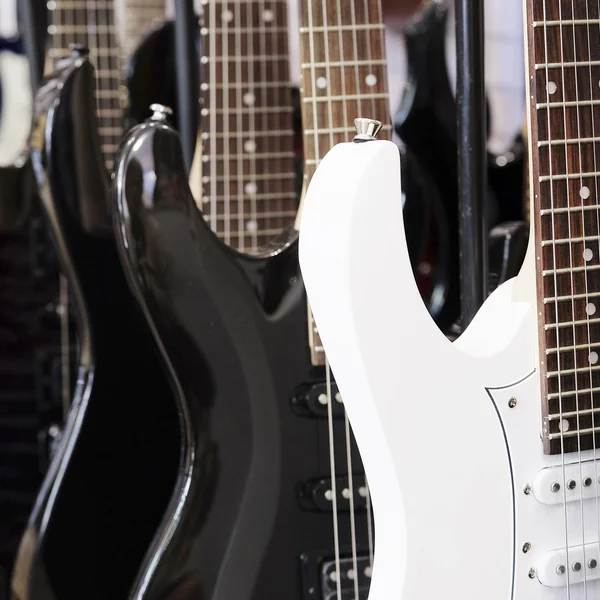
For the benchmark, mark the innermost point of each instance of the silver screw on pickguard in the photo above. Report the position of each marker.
(366, 129)
(160, 112)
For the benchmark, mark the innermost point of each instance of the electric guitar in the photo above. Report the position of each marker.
(117, 462)
(270, 456)
(484, 477)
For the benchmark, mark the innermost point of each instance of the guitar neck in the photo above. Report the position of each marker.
(91, 23)
(344, 76)
(248, 174)
(564, 105)
(139, 16)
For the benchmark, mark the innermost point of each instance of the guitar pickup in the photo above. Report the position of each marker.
(582, 562)
(576, 483)
(347, 576)
(317, 494)
(312, 401)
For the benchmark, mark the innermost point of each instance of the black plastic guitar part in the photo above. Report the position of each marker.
(232, 330)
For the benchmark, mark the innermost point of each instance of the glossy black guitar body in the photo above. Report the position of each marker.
(113, 474)
(255, 522)
(427, 124)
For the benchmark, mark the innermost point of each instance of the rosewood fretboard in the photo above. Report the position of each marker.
(344, 76)
(91, 23)
(248, 176)
(564, 56)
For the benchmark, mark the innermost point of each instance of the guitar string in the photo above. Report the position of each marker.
(593, 407)
(313, 88)
(224, 152)
(557, 328)
(570, 246)
(346, 122)
(264, 117)
(252, 119)
(330, 127)
(369, 58)
(239, 126)
(583, 233)
(211, 111)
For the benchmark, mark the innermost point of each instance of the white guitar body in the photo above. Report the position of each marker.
(17, 107)
(449, 433)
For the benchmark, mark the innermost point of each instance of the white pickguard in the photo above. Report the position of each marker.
(446, 458)
(17, 107)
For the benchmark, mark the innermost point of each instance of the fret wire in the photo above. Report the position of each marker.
(569, 414)
(572, 347)
(584, 63)
(569, 141)
(559, 324)
(345, 98)
(573, 371)
(340, 28)
(578, 432)
(566, 22)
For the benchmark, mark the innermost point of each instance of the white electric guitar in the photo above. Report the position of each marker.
(482, 455)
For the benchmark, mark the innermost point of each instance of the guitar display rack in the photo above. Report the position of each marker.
(472, 157)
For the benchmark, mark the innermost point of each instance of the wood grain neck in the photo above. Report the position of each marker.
(91, 23)
(344, 76)
(564, 69)
(247, 165)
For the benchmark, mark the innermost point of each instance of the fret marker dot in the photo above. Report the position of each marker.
(52, 29)
(250, 146)
(588, 254)
(593, 358)
(370, 80)
(204, 60)
(227, 16)
(250, 188)
(205, 158)
(590, 308)
(563, 425)
(552, 87)
(204, 86)
(584, 192)
(268, 15)
(251, 225)
(249, 98)
(321, 83)
(51, 5)
(204, 31)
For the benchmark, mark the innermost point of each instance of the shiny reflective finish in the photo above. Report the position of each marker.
(232, 330)
(366, 129)
(116, 464)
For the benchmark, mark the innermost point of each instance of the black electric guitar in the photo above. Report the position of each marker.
(117, 462)
(275, 502)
